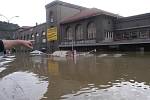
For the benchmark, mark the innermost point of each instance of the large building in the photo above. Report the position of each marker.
(71, 26)
(37, 33)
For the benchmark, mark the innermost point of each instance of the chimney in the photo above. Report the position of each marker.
(36, 23)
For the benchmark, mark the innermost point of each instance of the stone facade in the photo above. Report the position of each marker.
(37, 33)
(55, 13)
(83, 28)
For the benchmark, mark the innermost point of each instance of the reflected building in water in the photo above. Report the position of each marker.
(96, 74)
(58, 79)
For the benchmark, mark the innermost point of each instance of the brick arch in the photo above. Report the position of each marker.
(69, 33)
(91, 30)
(79, 35)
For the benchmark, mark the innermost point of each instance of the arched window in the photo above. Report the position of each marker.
(24, 37)
(69, 33)
(51, 16)
(37, 34)
(32, 36)
(43, 33)
(91, 31)
(28, 36)
(79, 32)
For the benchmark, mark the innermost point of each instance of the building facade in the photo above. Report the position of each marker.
(57, 11)
(70, 27)
(87, 29)
(36, 33)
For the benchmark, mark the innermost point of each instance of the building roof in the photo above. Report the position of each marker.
(57, 2)
(30, 28)
(134, 17)
(86, 13)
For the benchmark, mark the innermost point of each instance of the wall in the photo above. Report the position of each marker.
(60, 11)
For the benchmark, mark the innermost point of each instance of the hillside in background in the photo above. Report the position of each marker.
(4, 26)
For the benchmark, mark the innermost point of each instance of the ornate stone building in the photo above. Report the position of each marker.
(70, 26)
(37, 33)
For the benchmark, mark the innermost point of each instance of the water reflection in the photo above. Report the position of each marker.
(22, 86)
(23, 79)
(112, 76)
(125, 91)
(101, 78)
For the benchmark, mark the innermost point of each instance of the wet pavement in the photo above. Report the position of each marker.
(105, 76)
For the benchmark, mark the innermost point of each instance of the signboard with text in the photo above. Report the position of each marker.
(52, 34)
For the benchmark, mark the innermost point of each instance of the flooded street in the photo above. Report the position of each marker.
(102, 77)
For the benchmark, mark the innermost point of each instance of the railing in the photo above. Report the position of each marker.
(78, 42)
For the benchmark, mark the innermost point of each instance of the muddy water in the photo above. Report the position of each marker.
(102, 77)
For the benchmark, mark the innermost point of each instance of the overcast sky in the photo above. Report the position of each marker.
(32, 11)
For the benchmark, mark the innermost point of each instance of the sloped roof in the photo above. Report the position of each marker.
(86, 13)
(134, 17)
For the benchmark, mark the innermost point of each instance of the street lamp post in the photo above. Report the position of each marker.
(72, 45)
(8, 19)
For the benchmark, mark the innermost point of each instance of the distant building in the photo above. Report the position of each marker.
(70, 26)
(37, 33)
(7, 30)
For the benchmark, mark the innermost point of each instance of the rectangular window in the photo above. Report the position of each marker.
(118, 36)
(143, 34)
(126, 36)
(44, 41)
(134, 35)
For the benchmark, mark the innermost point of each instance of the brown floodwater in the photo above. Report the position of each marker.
(109, 76)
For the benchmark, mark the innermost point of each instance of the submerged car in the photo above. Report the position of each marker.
(61, 53)
(36, 52)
